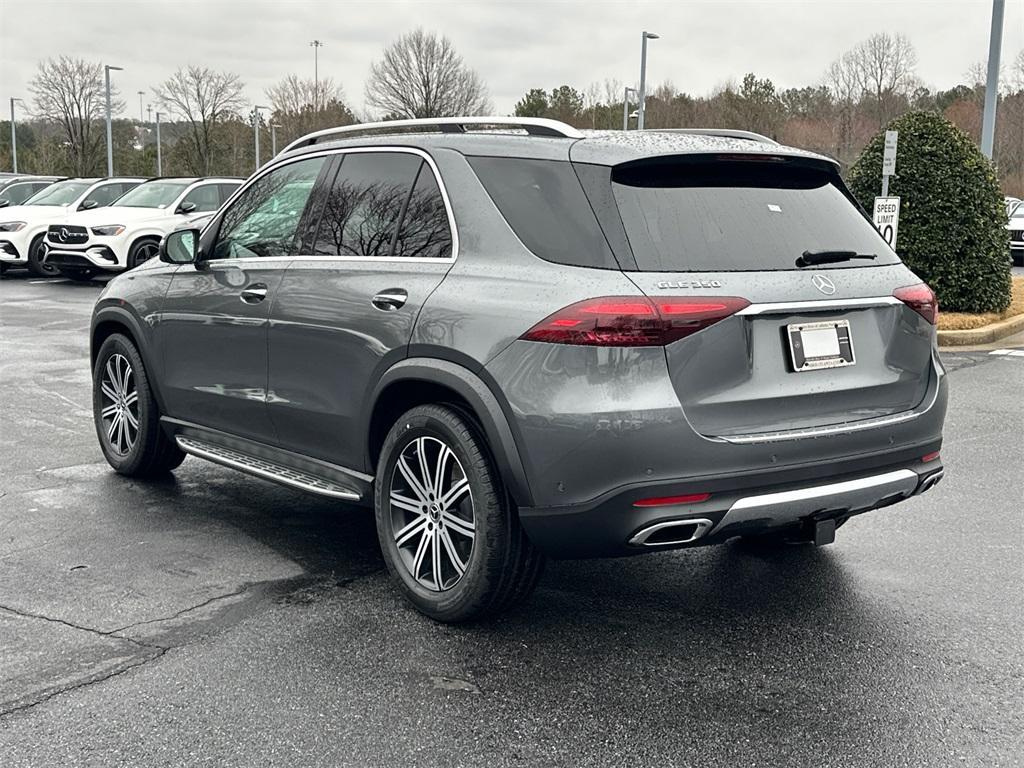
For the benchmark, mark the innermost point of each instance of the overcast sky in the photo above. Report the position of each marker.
(513, 45)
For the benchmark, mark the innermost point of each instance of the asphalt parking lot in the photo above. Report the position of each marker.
(217, 619)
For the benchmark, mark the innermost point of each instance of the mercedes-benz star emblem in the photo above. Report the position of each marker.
(63, 236)
(823, 284)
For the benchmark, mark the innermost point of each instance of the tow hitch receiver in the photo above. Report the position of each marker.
(824, 532)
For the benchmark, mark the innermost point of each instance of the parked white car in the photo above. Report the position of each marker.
(127, 233)
(23, 227)
(1011, 203)
(1016, 227)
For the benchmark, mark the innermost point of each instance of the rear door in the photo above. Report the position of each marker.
(819, 344)
(345, 313)
(212, 330)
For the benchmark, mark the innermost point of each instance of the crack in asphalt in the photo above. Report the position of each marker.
(308, 586)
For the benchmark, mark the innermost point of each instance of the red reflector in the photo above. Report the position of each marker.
(633, 321)
(921, 299)
(667, 501)
(930, 457)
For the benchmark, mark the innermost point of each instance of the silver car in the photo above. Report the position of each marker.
(516, 340)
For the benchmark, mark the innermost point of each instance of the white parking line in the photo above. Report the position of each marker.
(1008, 352)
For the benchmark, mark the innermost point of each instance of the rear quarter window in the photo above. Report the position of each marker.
(545, 205)
(721, 215)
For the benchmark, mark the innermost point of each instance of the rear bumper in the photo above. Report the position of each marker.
(756, 503)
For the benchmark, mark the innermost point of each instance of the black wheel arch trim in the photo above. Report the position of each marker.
(124, 318)
(472, 387)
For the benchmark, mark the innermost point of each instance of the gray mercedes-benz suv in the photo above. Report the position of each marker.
(515, 339)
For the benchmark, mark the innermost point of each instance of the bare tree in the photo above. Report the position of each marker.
(421, 75)
(885, 65)
(70, 92)
(842, 78)
(303, 105)
(202, 96)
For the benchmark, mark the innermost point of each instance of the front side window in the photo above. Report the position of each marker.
(361, 212)
(106, 194)
(264, 219)
(154, 194)
(61, 193)
(204, 197)
(16, 194)
(425, 232)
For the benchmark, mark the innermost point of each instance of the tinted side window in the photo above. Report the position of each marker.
(361, 211)
(106, 194)
(204, 197)
(543, 202)
(19, 193)
(264, 219)
(226, 191)
(425, 232)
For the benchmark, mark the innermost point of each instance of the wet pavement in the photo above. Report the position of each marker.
(217, 619)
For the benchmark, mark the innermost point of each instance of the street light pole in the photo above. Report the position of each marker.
(159, 158)
(256, 130)
(625, 107)
(643, 78)
(995, 44)
(14, 137)
(316, 45)
(110, 142)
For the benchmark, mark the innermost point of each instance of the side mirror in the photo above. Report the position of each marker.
(4, 202)
(186, 207)
(88, 205)
(180, 247)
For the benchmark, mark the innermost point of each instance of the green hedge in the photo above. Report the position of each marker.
(952, 230)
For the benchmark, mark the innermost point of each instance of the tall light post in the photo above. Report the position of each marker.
(995, 44)
(273, 139)
(110, 141)
(316, 45)
(625, 107)
(159, 158)
(14, 135)
(643, 77)
(256, 130)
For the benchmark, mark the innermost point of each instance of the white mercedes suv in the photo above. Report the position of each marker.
(127, 233)
(23, 227)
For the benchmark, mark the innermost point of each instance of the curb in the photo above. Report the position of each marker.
(984, 335)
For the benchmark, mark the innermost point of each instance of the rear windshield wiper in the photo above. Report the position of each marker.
(810, 258)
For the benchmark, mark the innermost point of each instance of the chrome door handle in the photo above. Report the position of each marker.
(254, 294)
(390, 300)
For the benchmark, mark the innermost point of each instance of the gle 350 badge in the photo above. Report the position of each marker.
(677, 284)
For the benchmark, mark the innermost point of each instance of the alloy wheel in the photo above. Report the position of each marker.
(120, 404)
(144, 253)
(432, 517)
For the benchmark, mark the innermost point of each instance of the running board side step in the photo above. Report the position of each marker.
(268, 470)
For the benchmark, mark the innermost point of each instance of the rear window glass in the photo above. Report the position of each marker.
(735, 216)
(543, 202)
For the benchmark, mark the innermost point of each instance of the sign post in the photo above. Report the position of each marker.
(887, 209)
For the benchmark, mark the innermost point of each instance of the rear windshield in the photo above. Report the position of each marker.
(724, 215)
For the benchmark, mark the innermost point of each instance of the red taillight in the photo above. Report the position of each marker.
(921, 299)
(668, 501)
(633, 321)
(930, 457)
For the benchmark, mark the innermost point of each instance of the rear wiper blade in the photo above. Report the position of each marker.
(831, 257)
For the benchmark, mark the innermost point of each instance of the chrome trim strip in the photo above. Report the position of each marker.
(640, 537)
(818, 305)
(834, 429)
(543, 126)
(267, 470)
(790, 506)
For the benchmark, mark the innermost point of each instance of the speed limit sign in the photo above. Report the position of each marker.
(887, 218)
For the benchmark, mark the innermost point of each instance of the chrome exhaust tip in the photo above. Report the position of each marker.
(671, 532)
(930, 482)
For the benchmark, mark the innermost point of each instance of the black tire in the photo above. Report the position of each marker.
(78, 274)
(152, 452)
(142, 250)
(36, 265)
(502, 566)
